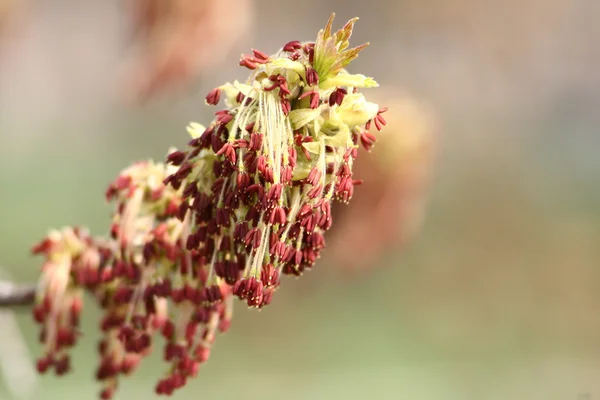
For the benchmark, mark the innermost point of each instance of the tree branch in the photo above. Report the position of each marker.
(12, 294)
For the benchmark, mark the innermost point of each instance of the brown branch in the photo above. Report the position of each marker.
(12, 294)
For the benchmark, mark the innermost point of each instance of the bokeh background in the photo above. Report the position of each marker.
(497, 298)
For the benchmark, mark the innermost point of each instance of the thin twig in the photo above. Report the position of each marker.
(12, 294)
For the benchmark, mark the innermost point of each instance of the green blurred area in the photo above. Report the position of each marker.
(498, 298)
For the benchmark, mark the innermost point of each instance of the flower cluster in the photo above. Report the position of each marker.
(281, 151)
(247, 201)
(143, 279)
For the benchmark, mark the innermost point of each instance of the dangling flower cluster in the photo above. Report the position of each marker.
(60, 300)
(281, 152)
(248, 201)
(133, 275)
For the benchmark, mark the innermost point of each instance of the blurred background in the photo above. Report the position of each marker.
(497, 297)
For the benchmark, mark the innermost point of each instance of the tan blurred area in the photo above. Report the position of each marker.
(10, 11)
(387, 209)
(497, 296)
(179, 38)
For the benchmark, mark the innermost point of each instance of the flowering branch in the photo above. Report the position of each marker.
(12, 294)
(247, 201)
